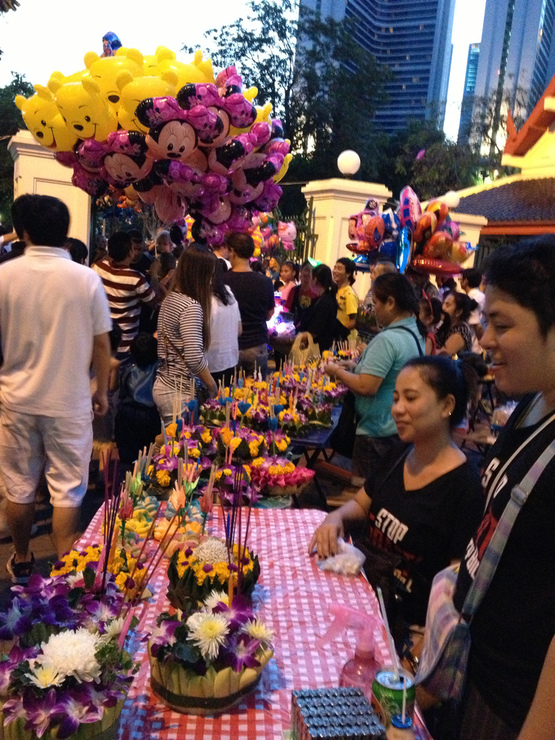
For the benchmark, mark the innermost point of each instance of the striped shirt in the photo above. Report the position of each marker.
(180, 343)
(126, 289)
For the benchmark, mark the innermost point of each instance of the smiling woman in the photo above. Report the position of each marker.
(424, 500)
(511, 674)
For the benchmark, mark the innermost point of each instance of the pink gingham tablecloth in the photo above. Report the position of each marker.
(294, 597)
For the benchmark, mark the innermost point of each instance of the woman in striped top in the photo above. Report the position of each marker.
(184, 331)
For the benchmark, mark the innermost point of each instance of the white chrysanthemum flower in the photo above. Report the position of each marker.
(211, 551)
(72, 653)
(112, 630)
(258, 631)
(43, 675)
(209, 634)
(215, 598)
(196, 618)
(74, 578)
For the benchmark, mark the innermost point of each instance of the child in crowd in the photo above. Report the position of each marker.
(137, 420)
(288, 277)
(430, 313)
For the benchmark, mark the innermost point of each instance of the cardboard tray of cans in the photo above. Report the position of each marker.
(334, 714)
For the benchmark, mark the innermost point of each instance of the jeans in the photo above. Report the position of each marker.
(248, 358)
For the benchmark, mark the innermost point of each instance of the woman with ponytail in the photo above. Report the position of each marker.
(420, 507)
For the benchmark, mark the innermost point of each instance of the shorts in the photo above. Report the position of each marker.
(62, 446)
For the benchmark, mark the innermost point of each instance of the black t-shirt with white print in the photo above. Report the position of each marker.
(427, 527)
(515, 623)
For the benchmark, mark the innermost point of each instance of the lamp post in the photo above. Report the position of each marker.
(348, 163)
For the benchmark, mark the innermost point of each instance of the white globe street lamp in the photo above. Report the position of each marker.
(348, 163)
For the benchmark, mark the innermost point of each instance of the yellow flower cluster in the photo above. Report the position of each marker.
(219, 570)
(253, 448)
(206, 437)
(76, 562)
(281, 469)
(258, 462)
(283, 444)
(163, 478)
(293, 414)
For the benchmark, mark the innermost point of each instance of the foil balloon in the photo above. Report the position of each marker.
(438, 246)
(389, 250)
(403, 250)
(435, 266)
(425, 227)
(374, 230)
(451, 227)
(440, 209)
(409, 208)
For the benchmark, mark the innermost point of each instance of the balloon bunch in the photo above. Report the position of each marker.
(167, 133)
(427, 241)
(269, 233)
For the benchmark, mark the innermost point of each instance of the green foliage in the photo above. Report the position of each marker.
(444, 165)
(10, 122)
(325, 88)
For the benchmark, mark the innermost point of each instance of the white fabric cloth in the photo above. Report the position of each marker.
(50, 310)
(476, 316)
(223, 352)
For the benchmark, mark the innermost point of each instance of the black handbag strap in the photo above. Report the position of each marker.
(410, 331)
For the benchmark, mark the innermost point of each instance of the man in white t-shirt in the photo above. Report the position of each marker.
(470, 283)
(54, 323)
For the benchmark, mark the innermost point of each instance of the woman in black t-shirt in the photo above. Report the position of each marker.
(321, 322)
(425, 501)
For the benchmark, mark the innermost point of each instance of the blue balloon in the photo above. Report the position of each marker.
(404, 249)
(389, 250)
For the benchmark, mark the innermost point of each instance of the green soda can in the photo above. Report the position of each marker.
(387, 694)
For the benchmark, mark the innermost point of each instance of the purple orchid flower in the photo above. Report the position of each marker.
(16, 620)
(237, 614)
(74, 708)
(240, 653)
(39, 710)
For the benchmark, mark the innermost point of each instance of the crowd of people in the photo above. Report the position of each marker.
(148, 329)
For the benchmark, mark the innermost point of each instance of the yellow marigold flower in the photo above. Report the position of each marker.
(163, 478)
(150, 470)
(226, 435)
(258, 462)
(253, 448)
(235, 442)
(206, 437)
(282, 445)
(194, 452)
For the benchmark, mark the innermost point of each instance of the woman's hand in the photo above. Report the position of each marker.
(331, 369)
(324, 539)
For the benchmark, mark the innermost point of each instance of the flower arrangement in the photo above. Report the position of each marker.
(207, 661)
(279, 476)
(71, 685)
(239, 442)
(226, 484)
(193, 574)
(122, 565)
(46, 606)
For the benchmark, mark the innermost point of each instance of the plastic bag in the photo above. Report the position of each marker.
(347, 562)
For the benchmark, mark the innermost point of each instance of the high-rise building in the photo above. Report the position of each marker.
(517, 54)
(413, 38)
(468, 92)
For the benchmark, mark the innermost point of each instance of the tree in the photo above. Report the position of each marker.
(487, 129)
(421, 156)
(322, 84)
(10, 122)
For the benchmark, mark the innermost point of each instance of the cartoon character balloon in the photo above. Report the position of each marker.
(155, 130)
